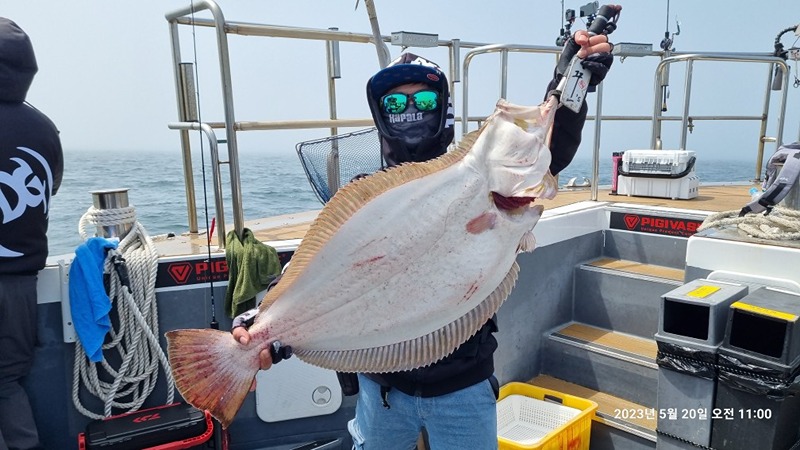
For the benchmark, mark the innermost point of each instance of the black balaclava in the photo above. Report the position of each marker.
(413, 135)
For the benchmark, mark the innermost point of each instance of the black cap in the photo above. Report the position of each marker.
(408, 68)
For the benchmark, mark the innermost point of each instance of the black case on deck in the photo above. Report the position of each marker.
(170, 427)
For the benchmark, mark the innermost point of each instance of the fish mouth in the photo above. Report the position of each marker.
(511, 203)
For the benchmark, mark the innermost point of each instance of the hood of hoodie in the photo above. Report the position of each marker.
(410, 68)
(17, 62)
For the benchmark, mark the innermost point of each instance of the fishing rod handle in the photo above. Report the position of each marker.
(605, 20)
(604, 23)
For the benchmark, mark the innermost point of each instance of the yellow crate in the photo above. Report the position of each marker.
(533, 418)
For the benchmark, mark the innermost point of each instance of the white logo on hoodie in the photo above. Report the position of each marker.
(31, 191)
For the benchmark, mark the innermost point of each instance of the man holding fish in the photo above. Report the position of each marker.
(454, 398)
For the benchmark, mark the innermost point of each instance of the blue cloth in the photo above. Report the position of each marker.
(88, 299)
(462, 419)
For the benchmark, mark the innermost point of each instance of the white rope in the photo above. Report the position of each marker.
(105, 218)
(781, 224)
(134, 344)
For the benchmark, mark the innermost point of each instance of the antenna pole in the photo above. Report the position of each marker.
(380, 46)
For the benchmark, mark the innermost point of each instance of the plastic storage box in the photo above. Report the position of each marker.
(169, 427)
(658, 173)
(656, 162)
(531, 417)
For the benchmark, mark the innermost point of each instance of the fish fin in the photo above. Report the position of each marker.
(481, 223)
(211, 370)
(350, 198)
(419, 352)
(527, 243)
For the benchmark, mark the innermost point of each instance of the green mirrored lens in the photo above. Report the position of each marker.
(426, 100)
(395, 103)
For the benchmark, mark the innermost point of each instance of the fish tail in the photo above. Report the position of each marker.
(212, 371)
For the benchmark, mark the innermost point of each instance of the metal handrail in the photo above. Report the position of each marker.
(503, 49)
(231, 126)
(227, 93)
(185, 16)
(214, 150)
(655, 140)
(656, 118)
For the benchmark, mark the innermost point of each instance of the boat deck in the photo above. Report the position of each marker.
(712, 198)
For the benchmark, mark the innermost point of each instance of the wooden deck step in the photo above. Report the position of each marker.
(612, 411)
(599, 337)
(652, 270)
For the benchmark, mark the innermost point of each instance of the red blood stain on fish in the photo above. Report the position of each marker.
(483, 222)
(472, 288)
(368, 261)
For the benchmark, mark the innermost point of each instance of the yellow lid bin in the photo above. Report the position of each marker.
(531, 417)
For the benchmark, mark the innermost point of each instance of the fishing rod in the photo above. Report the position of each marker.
(666, 45)
(214, 323)
(575, 81)
(565, 33)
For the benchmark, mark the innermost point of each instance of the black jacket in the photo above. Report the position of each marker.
(31, 160)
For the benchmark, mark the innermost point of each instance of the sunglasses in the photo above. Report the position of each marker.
(396, 103)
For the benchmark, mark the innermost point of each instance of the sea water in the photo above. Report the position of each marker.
(272, 184)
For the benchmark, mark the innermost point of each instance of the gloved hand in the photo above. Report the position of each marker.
(595, 52)
(273, 355)
(598, 64)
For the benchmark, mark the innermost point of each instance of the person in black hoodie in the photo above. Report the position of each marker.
(453, 399)
(31, 166)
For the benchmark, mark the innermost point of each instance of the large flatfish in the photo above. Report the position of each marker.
(398, 269)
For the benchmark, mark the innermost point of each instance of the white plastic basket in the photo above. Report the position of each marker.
(527, 420)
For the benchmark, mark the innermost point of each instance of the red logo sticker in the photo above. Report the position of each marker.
(180, 272)
(631, 221)
(147, 417)
(433, 77)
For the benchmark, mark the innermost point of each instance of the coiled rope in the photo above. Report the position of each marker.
(134, 342)
(780, 224)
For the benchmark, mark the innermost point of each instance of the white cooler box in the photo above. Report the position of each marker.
(658, 173)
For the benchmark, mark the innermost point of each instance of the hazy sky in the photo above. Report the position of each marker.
(105, 72)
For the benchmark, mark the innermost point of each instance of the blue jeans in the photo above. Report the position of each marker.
(465, 419)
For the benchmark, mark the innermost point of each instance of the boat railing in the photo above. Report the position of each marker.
(219, 208)
(183, 77)
(657, 118)
(687, 120)
(188, 118)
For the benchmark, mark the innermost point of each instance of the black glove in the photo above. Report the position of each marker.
(245, 319)
(598, 64)
(567, 53)
(280, 352)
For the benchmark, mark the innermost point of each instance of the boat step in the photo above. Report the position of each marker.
(612, 411)
(622, 295)
(669, 251)
(644, 350)
(608, 361)
(634, 267)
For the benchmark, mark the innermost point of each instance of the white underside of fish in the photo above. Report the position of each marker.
(412, 273)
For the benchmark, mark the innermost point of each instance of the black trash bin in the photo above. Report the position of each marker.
(690, 330)
(757, 405)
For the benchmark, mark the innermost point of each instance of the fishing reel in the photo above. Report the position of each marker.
(793, 54)
(609, 16)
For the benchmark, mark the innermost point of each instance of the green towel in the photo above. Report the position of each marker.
(252, 265)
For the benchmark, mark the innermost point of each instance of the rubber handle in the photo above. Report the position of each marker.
(604, 15)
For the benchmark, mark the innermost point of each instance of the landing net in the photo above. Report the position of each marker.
(334, 161)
